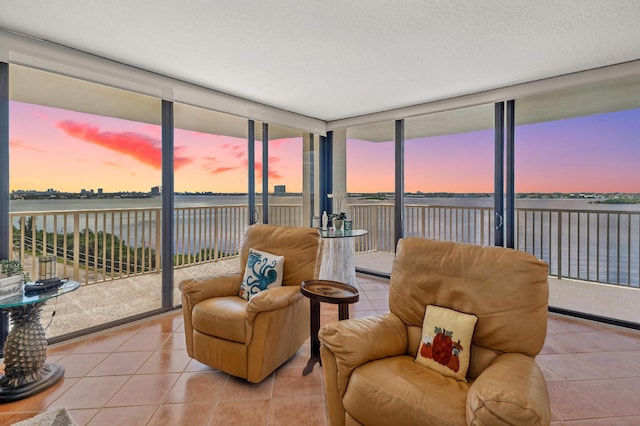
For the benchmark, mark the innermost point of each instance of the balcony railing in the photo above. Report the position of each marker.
(101, 245)
(94, 245)
(203, 234)
(591, 245)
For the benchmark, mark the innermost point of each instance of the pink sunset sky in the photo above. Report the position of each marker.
(70, 151)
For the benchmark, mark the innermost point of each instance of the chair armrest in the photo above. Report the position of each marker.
(357, 341)
(273, 299)
(512, 390)
(197, 290)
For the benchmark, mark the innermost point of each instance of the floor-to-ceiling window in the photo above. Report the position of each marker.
(278, 174)
(449, 175)
(258, 179)
(210, 184)
(370, 177)
(577, 185)
(577, 152)
(285, 176)
(85, 166)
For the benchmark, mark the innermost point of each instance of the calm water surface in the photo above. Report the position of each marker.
(218, 200)
(616, 247)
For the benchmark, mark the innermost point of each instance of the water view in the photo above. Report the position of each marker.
(578, 237)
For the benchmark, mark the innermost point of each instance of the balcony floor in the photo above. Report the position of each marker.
(103, 302)
(603, 300)
(140, 374)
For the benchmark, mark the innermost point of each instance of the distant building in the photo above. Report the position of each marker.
(100, 192)
(155, 191)
(280, 189)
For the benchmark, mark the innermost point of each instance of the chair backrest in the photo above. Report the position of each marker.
(299, 246)
(506, 289)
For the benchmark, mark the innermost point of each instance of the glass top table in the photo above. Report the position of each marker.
(25, 351)
(331, 233)
(31, 298)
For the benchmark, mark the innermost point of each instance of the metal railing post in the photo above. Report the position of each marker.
(559, 245)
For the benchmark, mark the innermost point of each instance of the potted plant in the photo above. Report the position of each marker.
(338, 219)
(12, 275)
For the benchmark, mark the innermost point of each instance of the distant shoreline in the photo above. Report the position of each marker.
(600, 198)
(619, 201)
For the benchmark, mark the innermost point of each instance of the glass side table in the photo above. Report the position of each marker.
(338, 255)
(25, 351)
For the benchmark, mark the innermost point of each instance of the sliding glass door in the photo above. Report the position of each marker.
(85, 168)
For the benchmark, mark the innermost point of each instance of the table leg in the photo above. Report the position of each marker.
(25, 351)
(343, 311)
(315, 342)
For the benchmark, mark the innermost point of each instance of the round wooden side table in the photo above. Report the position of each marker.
(329, 292)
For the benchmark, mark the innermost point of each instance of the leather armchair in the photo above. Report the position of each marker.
(368, 364)
(250, 339)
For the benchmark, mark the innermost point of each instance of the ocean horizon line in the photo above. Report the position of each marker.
(84, 194)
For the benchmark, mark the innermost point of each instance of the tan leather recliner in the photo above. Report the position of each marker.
(251, 339)
(370, 376)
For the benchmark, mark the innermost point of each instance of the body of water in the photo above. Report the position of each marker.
(227, 200)
(597, 240)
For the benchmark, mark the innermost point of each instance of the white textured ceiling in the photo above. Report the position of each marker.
(335, 59)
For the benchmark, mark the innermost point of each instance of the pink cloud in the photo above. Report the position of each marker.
(40, 115)
(219, 170)
(138, 146)
(209, 165)
(236, 151)
(152, 129)
(20, 144)
(274, 174)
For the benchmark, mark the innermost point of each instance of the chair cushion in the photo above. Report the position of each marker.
(224, 317)
(446, 341)
(397, 391)
(263, 271)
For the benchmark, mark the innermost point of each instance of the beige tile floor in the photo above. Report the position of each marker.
(108, 301)
(140, 374)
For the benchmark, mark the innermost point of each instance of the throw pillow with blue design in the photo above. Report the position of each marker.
(263, 271)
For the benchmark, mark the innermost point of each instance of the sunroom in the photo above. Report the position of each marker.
(136, 174)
